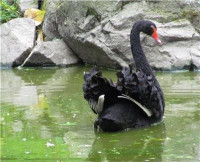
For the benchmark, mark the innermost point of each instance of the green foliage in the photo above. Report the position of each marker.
(44, 5)
(8, 12)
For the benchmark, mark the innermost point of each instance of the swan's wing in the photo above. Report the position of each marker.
(147, 111)
(141, 88)
(97, 88)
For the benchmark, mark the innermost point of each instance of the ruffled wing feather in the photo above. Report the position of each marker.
(141, 88)
(95, 86)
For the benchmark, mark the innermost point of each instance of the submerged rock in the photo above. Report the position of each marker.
(99, 32)
(18, 37)
(51, 53)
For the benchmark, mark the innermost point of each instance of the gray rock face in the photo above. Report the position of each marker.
(50, 27)
(99, 33)
(51, 53)
(79, 23)
(17, 41)
(181, 46)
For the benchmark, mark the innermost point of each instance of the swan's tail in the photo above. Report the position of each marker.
(97, 88)
(142, 88)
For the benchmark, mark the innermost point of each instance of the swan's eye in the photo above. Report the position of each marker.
(148, 30)
(153, 26)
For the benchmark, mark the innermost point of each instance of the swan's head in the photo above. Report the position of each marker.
(150, 29)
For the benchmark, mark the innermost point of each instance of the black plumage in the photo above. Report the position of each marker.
(136, 100)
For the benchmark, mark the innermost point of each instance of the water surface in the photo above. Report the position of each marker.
(44, 117)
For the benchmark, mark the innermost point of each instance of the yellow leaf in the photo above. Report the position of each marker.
(35, 14)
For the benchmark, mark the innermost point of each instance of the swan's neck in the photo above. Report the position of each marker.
(138, 54)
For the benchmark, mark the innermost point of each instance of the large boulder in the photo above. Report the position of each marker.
(80, 23)
(17, 41)
(98, 31)
(51, 53)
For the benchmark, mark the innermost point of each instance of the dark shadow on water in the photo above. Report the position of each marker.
(142, 144)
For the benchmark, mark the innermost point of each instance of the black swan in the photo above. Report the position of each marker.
(136, 100)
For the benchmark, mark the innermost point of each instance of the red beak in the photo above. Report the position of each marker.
(155, 36)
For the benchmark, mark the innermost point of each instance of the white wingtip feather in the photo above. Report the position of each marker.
(147, 111)
(99, 106)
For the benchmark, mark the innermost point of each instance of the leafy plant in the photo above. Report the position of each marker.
(8, 12)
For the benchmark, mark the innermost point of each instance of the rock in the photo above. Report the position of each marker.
(26, 4)
(51, 53)
(102, 37)
(18, 37)
(80, 29)
(178, 30)
(167, 11)
(180, 46)
(50, 27)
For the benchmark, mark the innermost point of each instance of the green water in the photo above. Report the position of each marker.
(44, 117)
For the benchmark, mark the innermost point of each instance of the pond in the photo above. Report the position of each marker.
(44, 117)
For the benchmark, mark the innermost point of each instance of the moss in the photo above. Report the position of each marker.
(93, 12)
(189, 13)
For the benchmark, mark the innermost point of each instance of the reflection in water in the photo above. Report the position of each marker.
(141, 145)
(14, 90)
(44, 117)
(34, 76)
